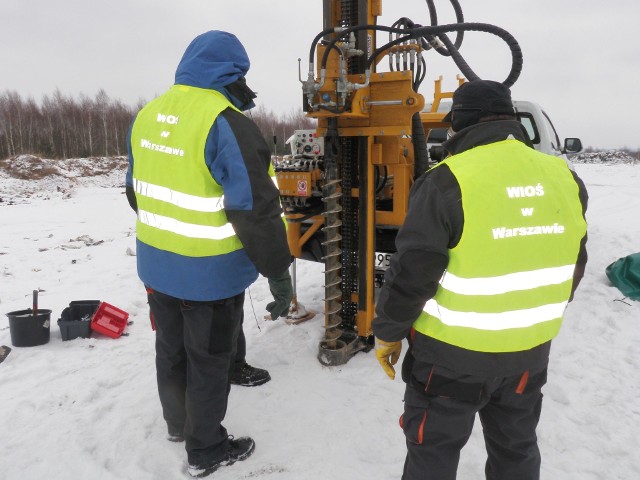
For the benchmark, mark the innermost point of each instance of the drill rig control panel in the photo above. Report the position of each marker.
(307, 142)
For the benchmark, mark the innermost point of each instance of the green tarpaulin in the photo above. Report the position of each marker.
(624, 273)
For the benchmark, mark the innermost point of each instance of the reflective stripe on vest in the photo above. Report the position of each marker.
(179, 199)
(185, 229)
(507, 283)
(498, 293)
(180, 205)
(496, 321)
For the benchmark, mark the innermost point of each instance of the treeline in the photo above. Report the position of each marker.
(62, 127)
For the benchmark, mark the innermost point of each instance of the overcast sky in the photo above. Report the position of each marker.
(581, 57)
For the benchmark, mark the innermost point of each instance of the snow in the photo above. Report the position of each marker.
(88, 408)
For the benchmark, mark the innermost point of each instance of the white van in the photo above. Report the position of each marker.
(536, 122)
(542, 133)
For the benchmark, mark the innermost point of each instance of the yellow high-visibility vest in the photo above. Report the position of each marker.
(509, 279)
(180, 205)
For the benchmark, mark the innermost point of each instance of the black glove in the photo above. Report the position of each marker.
(282, 291)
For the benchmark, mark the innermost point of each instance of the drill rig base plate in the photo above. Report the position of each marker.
(338, 351)
(295, 320)
(298, 313)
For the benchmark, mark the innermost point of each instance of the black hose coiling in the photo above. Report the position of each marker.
(419, 139)
(440, 30)
(434, 21)
(516, 54)
(428, 38)
(422, 32)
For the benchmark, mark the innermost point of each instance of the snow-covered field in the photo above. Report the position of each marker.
(88, 408)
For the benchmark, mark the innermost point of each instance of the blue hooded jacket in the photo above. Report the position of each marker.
(214, 60)
(238, 159)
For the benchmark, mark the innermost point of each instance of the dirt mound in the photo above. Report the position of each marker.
(32, 167)
(611, 157)
(28, 177)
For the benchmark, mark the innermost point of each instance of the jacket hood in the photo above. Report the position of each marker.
(212, 60)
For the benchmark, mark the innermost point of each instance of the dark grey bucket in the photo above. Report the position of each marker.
(27, 329)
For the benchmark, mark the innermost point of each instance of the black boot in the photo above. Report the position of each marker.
(239, 450)
(248, 376)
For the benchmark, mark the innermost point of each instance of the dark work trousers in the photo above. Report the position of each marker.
(195, 348)
(241, 351)
(440, 409)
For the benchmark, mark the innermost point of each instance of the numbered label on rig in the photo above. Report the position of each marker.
(381, 260)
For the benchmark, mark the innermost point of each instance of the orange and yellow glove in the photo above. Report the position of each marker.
(388, 354)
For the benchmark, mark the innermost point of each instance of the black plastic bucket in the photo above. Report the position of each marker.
(27, 329)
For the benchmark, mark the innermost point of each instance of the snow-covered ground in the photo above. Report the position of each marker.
(88, 408)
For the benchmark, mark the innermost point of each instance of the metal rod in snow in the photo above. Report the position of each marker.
(293, 276)
(35, 302)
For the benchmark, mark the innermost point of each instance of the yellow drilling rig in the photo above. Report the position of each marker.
(345, 190)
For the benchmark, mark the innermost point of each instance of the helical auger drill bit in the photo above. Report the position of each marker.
(333, 290)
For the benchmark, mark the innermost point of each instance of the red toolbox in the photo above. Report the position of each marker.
(109, 320)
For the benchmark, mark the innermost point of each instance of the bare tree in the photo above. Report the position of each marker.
(276, 129)
(61, 127)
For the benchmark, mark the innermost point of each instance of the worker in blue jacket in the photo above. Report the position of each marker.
(209, 221)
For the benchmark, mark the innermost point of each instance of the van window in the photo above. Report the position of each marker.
(437, 135)
(552, 129)
(529, 124)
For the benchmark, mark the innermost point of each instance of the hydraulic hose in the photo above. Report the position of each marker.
(439, 30)
(516, 51)
(316, 40)
(420, 152)
(434, 21)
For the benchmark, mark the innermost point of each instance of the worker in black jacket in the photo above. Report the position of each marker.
(491, 251)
